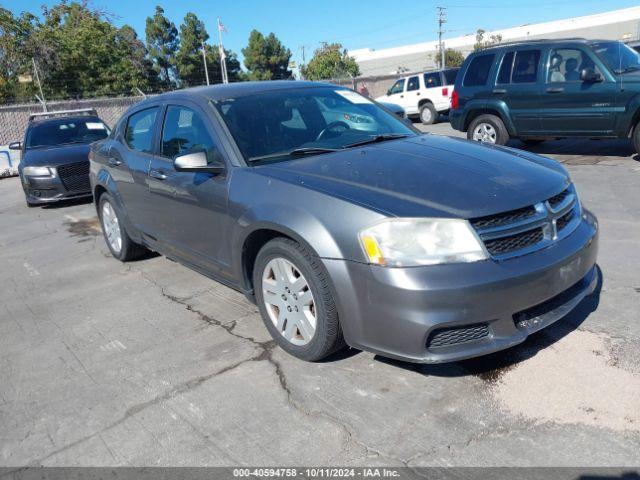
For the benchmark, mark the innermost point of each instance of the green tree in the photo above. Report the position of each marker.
(330, 61)
(16, 52)
(162, 43)
(452, 58)
(266, 58)
(189, 63)
(482, 42)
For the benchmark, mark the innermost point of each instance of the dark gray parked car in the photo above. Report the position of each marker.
(420, 247)
(55, 155)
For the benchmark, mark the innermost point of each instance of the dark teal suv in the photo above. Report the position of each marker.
(549, 89)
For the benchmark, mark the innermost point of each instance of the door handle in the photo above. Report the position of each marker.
(499, 91)
(157, 175)
(555, 90)
(418, 94)
(401, 96)
(114, 162)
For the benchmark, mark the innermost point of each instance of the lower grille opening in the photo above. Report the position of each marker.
(549, 305)
(444, 337)
(511, 243)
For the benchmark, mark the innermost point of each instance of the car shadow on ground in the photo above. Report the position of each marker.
(580, 147)
(491, 367)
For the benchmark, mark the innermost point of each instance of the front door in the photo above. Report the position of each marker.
(396, 93)
(570, 106)
(518, 85)
(190, 209)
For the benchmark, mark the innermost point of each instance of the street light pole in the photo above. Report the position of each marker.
(441, 21)
(223, 57)
(204, 61)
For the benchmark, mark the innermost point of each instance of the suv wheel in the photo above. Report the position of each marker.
(636, 138)
(488, 129)
(293, 294)
(428, 114)
(118, 241)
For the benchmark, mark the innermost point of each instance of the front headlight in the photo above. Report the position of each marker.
(37, 171)
(421, 241)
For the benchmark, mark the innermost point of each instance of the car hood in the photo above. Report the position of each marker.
(428, 175)
(57, 155)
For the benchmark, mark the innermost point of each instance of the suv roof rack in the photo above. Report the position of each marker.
(63, 113)
(538, 40)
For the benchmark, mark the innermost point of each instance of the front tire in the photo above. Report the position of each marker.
(428, 114)
(111, 220)
(488, 129)
(293, 293)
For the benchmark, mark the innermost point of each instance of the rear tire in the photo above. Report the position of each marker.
(115, 235)
(636, 138)
(488, 129)
(428, 114)
(295, 299)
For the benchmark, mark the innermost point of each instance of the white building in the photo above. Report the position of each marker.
(615, 25)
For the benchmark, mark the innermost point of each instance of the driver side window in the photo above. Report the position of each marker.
(397, 87)
(185, 132)
(565, 65)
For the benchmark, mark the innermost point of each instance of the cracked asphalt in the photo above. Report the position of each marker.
(149, 363)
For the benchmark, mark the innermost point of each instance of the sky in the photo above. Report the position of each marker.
(356, 24)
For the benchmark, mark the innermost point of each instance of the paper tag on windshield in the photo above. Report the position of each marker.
(95, 126)
(353, 97)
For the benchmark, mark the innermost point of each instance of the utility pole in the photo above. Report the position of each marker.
(41, 97)
(302, 47)
(442, 19)
(204, 61)
(223, 57)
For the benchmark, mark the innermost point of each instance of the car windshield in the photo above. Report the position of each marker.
(65, 131)
(280, 125)
(620, 58)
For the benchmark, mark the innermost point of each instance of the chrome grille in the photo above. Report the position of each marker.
(525, 230)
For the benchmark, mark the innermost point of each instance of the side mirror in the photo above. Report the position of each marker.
(589, 75)
(388, 92)
(197, 162)
(15, 146)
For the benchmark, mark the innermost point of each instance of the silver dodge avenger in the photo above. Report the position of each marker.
(350, 227)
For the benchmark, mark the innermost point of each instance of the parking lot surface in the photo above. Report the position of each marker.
(150, 363)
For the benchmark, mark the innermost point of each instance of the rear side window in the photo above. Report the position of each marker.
(432, 80)
(140, 128)
(450, 76)
(525, 66)
(504, 75)
(414, 84)
(478, 71)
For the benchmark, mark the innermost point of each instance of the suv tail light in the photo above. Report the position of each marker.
(454, 100)
(445, 92)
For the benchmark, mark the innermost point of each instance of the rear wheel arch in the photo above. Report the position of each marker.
(476, 112)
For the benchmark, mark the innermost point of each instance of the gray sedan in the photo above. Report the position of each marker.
(361, 232)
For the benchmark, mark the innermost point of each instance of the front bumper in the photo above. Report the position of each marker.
(44, 190)
(485, 306)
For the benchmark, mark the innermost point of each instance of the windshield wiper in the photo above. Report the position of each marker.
(296, 152)
(383, 137)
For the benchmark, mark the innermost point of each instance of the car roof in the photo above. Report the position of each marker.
(543, 41)
(238, 89)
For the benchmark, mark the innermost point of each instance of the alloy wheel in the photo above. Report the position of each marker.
(289, 301)
(485, 132)
(111, 227)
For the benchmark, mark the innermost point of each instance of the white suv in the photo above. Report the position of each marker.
(423, 94)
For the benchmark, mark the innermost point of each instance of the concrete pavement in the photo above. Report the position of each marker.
(149, 363)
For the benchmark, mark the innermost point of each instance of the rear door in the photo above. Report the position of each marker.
(435, 90)
(518, 84)
(571, 107)
(129, 158)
